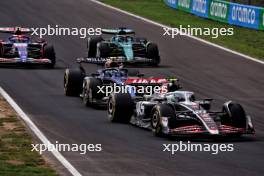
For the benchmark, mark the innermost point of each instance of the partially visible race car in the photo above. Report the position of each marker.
(178, 113)
(122, 47)
(20, 49)
(94, 89)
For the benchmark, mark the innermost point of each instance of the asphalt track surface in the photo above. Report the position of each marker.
(128, 150)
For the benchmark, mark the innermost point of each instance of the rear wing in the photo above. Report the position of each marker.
(119, 31)
(15, 30)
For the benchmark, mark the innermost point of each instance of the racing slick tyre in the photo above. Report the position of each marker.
(161, 110)
(90, 91)
(153, 54)
(73, 80)
(49, 53)
(236, 116)
(92, 46)
(103, 51)
(120, 108)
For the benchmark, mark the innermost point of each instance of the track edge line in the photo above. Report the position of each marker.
(38, 133)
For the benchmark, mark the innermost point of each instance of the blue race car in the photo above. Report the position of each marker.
(18, 49)
(94, 89)
(122, 47)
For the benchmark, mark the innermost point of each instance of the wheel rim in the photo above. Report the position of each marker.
(155, 119)
(90, 96)
(85, 96)
(65, 83)
(110, 109)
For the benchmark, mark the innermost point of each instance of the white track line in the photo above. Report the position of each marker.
(193, 37)
(38, 133)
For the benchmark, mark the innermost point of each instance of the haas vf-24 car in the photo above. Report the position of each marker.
(178, 113)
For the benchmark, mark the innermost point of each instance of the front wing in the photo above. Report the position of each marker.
(224, 130)
(18, 61)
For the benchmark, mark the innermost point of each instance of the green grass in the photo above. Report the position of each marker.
(247, 41)
(16, 157)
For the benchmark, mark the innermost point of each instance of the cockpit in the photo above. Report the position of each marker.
(115, 73)
(180, 96)
(19, 39)
(121, 39)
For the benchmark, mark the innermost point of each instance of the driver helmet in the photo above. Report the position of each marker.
(111, 64)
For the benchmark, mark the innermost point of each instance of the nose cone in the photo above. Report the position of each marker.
(22, 51)
(213, 131)
(128, 50)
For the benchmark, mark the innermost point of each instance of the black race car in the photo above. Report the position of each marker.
(122, 47)
(95, 89)
(19, 49)
(179, 114)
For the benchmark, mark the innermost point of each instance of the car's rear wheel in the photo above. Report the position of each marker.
(73, 80)
(159, 111)
(92, 45)
(153, 54)
(120, 108)
(49, 53)
(91, 91)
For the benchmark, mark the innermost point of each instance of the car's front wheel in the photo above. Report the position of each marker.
(234, 115)
(159, 111)
(120, 108)
(91, 91)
